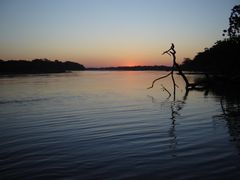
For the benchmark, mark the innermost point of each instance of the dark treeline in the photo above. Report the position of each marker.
(133, 68)
(220, 63)
(222, 58)
(37, 66)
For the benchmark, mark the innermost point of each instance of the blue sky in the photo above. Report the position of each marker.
(110, 32)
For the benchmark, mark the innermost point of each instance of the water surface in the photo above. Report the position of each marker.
(107, 125)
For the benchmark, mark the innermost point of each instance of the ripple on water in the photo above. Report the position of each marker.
(75, 133)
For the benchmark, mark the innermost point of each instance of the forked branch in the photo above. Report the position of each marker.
(171, 51)
(159, 79)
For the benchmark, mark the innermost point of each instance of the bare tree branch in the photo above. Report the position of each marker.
(171, 51)
(158, 79)
(169, 94)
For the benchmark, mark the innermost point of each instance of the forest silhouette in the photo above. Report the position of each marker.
(222, 58)
(37, 66)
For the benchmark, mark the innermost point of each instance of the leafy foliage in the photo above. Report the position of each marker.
(234, 23)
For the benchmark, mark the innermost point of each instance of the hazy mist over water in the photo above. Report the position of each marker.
(107, 125)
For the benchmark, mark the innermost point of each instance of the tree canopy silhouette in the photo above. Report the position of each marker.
(234, 23)
(223, 57)
(221, 61)
(37, 66)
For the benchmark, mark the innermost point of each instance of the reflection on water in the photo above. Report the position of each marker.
(107, 125)
(229, 100)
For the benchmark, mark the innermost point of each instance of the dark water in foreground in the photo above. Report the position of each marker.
(107, 125)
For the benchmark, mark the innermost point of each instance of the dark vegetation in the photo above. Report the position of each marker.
(132, 68)
(221, 65)
(222, 60)
(37, 66)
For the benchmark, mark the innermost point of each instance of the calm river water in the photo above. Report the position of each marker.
(107, 125)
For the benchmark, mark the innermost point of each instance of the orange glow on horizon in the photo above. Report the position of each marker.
(127, 60)
(116, 63)
(130, 64)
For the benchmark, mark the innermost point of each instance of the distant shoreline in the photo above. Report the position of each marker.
(44, 66)
(131, 68)
(141, 68)
(38, 66)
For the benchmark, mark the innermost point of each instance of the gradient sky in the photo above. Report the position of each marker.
(110, 32)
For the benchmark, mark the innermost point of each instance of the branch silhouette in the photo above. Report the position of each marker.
(175, 66)
(158, 79)
(172, 52)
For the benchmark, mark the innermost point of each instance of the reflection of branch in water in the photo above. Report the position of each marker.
(230, 109)
(229, 101)
(175, 107)
(185, 95)
(164, 89)
(155, 101)
(222, 107)
(172, 130)
(152, 99)
(231, 113)
(173, 140)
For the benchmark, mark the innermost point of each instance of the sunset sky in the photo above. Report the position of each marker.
(100, 33)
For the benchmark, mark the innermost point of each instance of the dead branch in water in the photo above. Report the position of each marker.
(164, 89)
(171, 52)
(159, 79)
